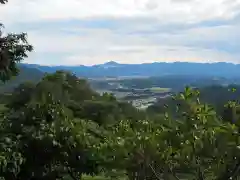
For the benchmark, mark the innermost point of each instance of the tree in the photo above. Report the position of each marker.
(50, 143)
(198, 145)
(21, 96)
(13, 49)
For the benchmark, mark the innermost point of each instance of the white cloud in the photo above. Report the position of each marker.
(153, 54)
(100, 45)
(171, 10)
(147, 30)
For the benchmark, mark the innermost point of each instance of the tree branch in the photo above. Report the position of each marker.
(72, 175)
(3, 1)
(154, 172)
(232, 174)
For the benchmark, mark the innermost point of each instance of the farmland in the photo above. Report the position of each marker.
(140, 97)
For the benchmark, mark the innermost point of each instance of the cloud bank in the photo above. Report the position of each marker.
(89, 32)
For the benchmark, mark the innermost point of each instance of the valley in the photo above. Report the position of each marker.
(144, 91)
(138, 97)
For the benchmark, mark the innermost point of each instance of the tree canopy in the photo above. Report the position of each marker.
(13, 49)
(51, 132)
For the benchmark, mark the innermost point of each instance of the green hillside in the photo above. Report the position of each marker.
(215, 95)
(25, 74)
(60, 121)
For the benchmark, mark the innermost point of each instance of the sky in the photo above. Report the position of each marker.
(87, 32)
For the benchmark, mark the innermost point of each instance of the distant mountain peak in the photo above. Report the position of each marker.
(111, 63)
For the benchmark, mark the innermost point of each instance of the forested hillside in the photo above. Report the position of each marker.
(25, 74)
(216, 95)
(61, 123)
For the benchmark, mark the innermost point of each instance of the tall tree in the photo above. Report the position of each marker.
(13, 49)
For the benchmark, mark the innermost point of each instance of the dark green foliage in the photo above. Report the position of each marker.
(25, 75)
(99, 111)
(21, 96)
(13, 49)
(50, 143)
(77, 95)
(215, 95)
(53, 132)
(197, 145)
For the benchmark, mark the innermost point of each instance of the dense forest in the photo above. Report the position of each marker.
(57, 127)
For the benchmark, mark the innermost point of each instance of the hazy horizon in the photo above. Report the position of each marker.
(81, 32)
(29, 63)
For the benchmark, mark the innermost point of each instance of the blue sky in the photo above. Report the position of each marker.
(75, 32)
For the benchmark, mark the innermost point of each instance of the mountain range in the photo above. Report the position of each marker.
(114, 69)
(207, 72)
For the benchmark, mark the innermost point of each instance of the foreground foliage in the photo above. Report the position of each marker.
(44, 138)
(13, 49)
(197, 146)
